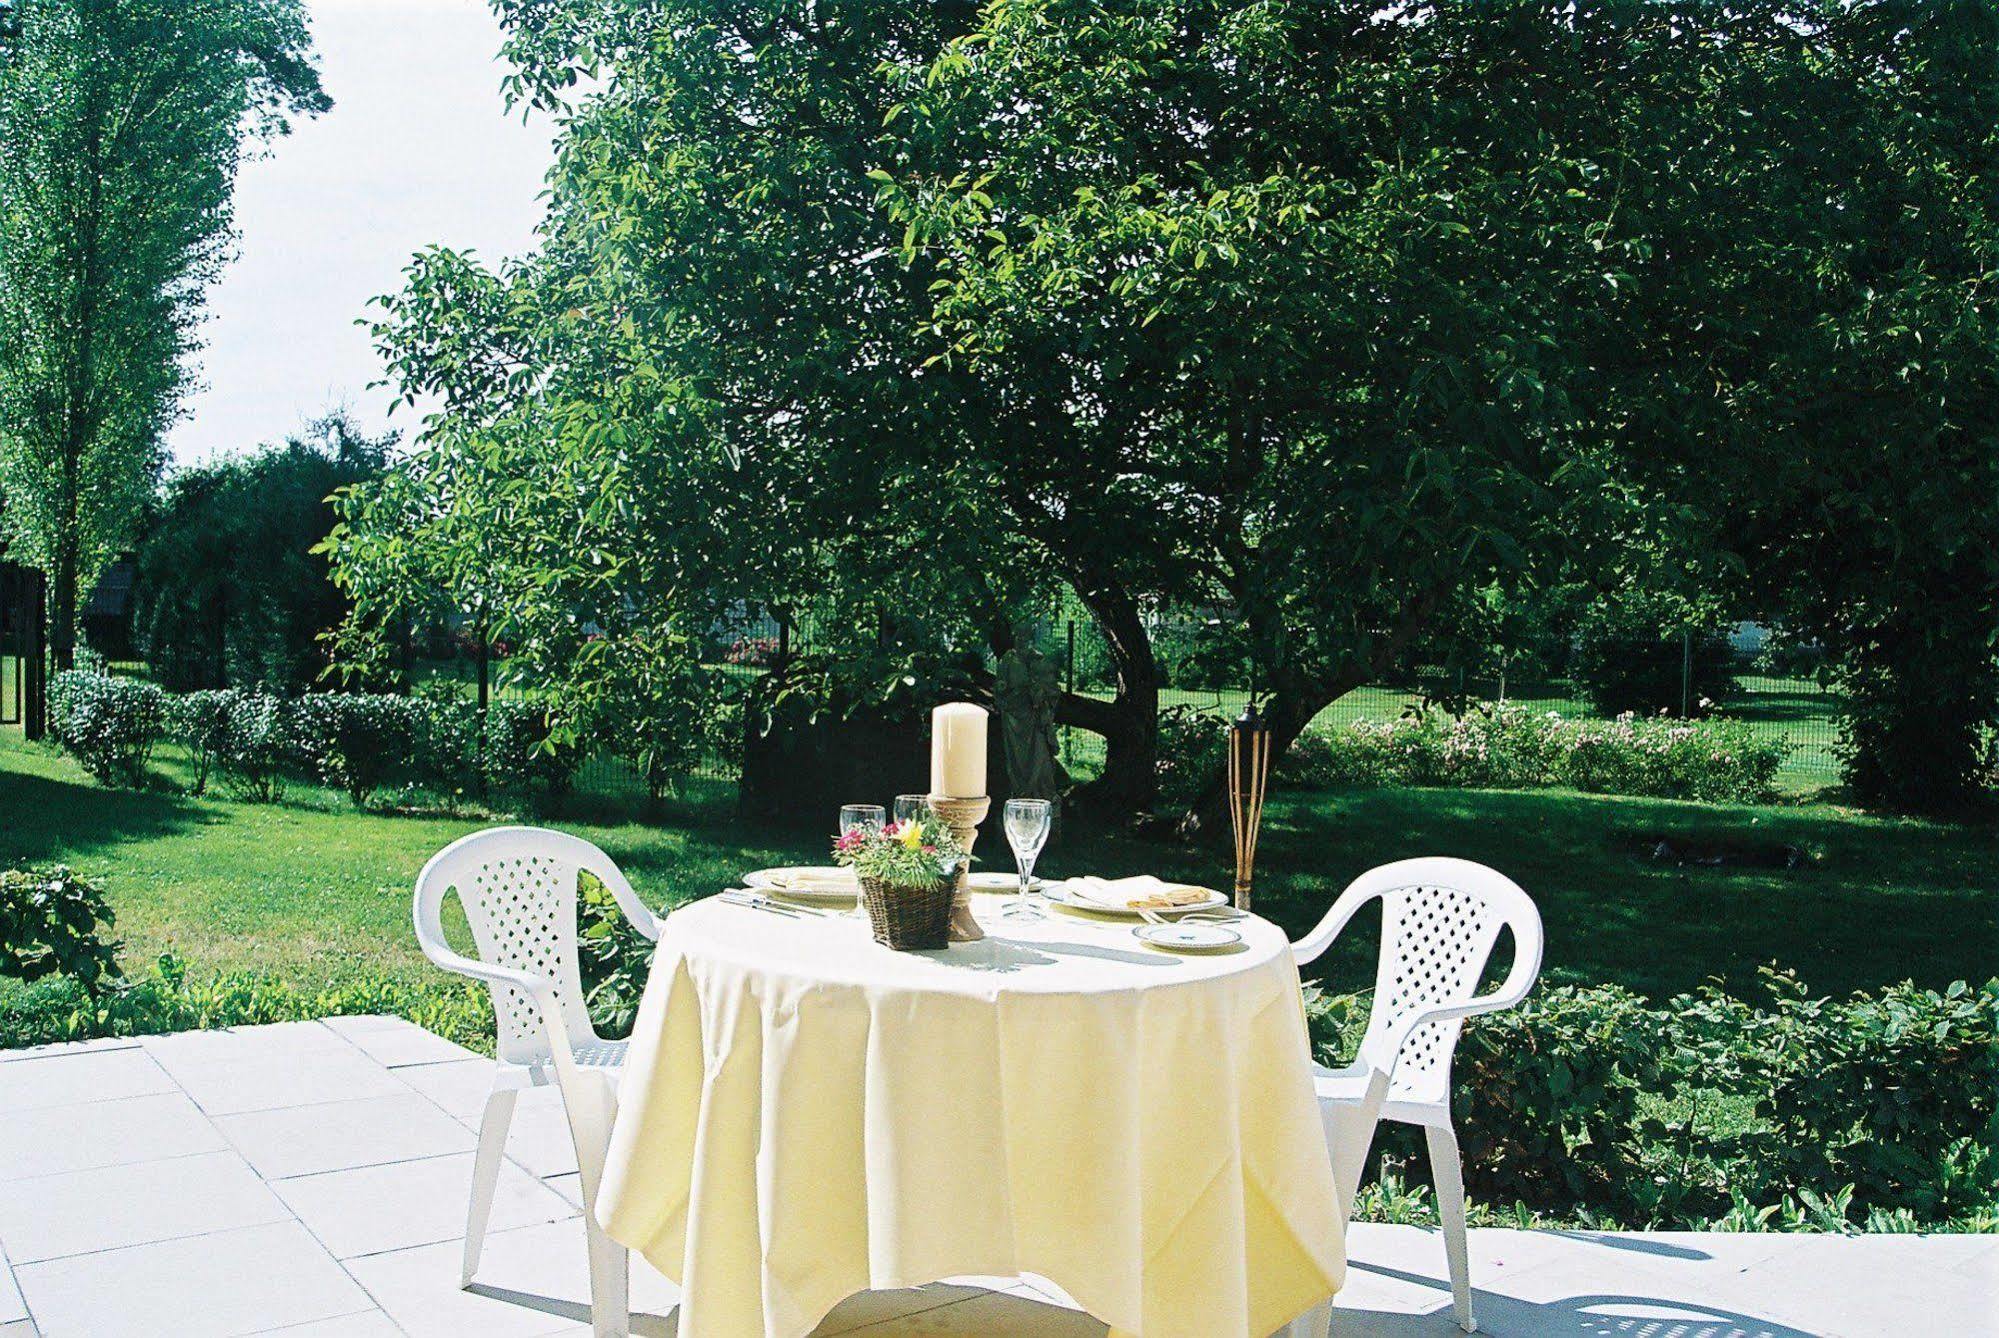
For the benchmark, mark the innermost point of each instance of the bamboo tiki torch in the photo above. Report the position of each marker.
(1249, 777)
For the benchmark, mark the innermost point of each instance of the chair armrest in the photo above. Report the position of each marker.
(1311, 947)
(535, 988)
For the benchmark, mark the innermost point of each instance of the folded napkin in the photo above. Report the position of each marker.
(1143, 893)
(815, 880)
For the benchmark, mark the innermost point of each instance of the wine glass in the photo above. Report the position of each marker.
(1027, 822)
(861, 817)
(909, 806)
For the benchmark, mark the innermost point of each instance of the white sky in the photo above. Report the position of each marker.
(419, 148)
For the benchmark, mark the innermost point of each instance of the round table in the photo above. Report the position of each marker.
(806, 1114)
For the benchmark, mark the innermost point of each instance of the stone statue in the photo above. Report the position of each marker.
(1026, 689)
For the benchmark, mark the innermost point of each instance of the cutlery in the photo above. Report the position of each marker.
(757, 902)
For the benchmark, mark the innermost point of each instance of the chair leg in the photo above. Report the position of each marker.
(1449, 1174)
(1314, 1323)
(610, 1281)
(493, 1125)
(592, 1106)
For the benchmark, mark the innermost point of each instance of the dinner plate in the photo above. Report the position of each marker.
(1188, 936)
(779, 881)
(1063, 896)
(1001, 882)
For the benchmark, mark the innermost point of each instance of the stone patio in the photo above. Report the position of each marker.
(309, 1179)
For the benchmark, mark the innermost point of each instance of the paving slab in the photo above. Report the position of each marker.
(51, 1216)
(532, 1281)
(49, 1140)
(366, 1324)
(12, 1307)
(75, 1077)
(459, 1088)
(342, 1135)
(211, 1286)
(222, 1084)
(379, 1208)
(396, 1042)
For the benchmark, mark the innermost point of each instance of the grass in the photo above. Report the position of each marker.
(315, 892)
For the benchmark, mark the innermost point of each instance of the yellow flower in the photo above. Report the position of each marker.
(911, 835)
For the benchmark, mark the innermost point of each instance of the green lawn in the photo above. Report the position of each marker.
(313, 891)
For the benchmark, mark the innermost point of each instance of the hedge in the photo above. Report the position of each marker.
(255, 743)
(1875, 1110)
(1506, 745)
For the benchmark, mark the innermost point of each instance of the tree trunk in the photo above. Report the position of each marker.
(1130, 721)
(62, 606)
(1287, 716)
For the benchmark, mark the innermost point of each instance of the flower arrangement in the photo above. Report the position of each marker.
(918, 853)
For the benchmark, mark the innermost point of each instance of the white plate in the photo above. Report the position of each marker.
(773, 880)
(1188, 936)
(1061, 895)
(1001, 882)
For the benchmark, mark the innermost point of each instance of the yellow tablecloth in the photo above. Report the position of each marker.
(805, 1115)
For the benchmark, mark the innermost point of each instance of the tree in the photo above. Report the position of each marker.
(1355, 320)
(122, 123)
(229, 587)
(1347, 314)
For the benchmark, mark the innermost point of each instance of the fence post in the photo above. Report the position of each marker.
(1686, 671)
(35, 660)
(1069, 681)
(485, 666)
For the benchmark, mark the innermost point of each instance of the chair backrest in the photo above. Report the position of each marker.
(518, 888)
(1440, 918)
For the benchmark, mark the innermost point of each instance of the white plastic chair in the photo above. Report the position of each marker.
(1439, 920)
(518, 888)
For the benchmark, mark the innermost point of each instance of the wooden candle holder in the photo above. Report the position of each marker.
(963, 817)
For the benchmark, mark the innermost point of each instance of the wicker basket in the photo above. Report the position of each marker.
(906, 918)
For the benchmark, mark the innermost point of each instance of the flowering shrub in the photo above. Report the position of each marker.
(1506, 745)
(755, 652)
(916, 853)
(109, 724)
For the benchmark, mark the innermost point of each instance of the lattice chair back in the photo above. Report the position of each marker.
(1440, 919)
(518, 888)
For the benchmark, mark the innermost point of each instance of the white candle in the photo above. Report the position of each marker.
(958, 750)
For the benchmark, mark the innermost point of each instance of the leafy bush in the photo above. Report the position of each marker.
(107, 723)
(166, 999)
(1192, 744)
(51, 923)
(519, 751)
(1624, 664)
(355, 740)
(655, 713)
(1546, 1094)
(1508, 746)
(1879, 1108)
(614, 957)
(446, 750)
(1895, 1094)
(257, 747)
(200, 722)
